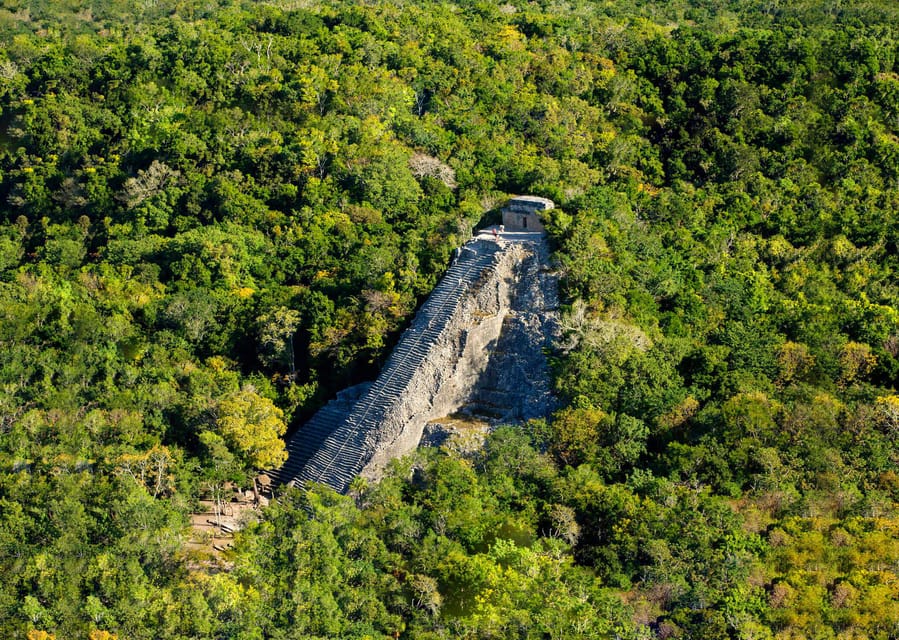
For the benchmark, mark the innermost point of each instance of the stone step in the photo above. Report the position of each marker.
(395, 388)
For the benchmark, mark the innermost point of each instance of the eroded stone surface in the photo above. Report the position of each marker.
(516, 383)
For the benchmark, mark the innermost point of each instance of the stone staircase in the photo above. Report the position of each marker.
(336, 444)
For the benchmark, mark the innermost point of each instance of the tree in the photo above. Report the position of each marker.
(575, 434)
(276, 331)
(794, 361)
(252, 426)
(856, 361)
(888, 408)
(750, 414)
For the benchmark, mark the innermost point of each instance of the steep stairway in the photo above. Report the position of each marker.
(336, 444)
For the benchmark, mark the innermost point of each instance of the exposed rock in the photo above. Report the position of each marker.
(515, 386)
(462, 434)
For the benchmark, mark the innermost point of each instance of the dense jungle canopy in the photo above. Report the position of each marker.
(214, 215)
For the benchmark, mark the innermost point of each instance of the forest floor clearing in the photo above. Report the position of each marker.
(212, 535)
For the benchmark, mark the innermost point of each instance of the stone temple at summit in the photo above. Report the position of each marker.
(522, 213)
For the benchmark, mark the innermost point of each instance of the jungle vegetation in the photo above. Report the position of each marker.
(214, 215)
